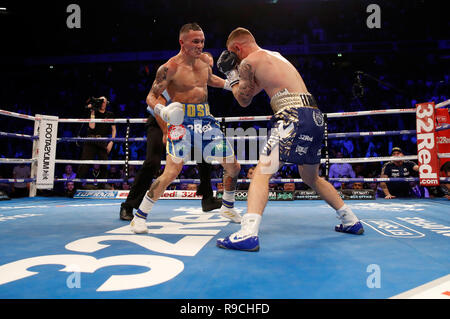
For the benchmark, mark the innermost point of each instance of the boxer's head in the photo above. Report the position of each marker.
(445, 169)
(192, 39)
(397, 151)
(239, 40)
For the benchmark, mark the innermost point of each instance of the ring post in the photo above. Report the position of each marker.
(127, 150)
(327, 157)
(44, 151)
(34, 156)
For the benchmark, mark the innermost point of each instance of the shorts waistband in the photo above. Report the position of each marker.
(192, 110)
(283, 100)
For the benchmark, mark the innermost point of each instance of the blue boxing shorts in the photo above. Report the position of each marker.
(199, 132)
(297, 135)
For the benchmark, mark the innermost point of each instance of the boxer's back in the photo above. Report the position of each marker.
(274, 73)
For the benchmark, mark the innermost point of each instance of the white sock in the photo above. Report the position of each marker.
(346, 215)
(228, 199)
(250, 224)
(145, 207)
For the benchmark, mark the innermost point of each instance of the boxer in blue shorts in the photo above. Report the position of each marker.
(298, 130)
(201, 130)
(296, 135)
(186, 77)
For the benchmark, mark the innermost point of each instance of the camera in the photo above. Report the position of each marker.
(96, 103)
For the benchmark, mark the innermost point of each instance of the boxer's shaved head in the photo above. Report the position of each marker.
(192, 39)
(240, 35)
(188, 27)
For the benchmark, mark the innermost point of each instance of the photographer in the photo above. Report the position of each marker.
(91, 150)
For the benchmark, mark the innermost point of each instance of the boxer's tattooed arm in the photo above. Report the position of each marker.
(247, 84)
(160, 83)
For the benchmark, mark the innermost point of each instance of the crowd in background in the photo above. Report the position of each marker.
(397, 80)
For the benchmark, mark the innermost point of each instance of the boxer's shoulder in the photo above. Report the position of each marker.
(207, 58)
(253, 60)
(172, 63)
(258, 55)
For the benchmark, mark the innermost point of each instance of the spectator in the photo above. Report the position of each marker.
(20, 189)
(191, 187)
(348, 147)
(5, 187)
(245, 186)
(358, 185)
(378, 191)
(68, 172)
(340, 170)
(418, 191)
(289, 187)
(94, 173)
(276, 186)
(69, 189)
(442, 190)
(113, 173)
(397, 168)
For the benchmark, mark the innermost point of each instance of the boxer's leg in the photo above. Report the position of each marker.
(205, 189)
(310, 176)
(231, 171)
(216, 147)
(171, 171)
(247, 237)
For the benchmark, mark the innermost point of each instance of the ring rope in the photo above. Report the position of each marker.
(226, 119)
(144, 139)
(244, 162)
(17, 160)
(442, 104)
(20, 136)
(101, 139)
(17, 115)
(219, 180)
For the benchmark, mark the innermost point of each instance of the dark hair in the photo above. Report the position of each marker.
(445, 167)
(190, 26)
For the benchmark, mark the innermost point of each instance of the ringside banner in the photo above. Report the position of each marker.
(48, 131)
(426, 144)
(123, 194)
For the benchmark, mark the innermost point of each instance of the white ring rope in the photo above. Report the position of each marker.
(226, 119)
(247, 118)
(16, 160)
(442, 104)
(17, 115)
(244, 162)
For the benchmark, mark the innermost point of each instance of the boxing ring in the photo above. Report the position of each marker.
(78, 248)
